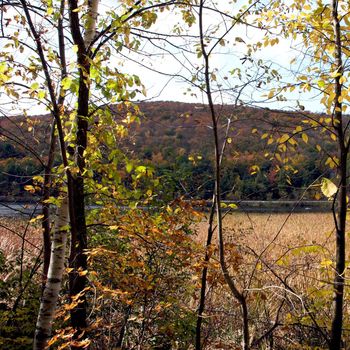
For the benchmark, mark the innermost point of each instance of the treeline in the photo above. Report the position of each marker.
(175, 138)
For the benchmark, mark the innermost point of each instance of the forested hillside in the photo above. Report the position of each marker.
(176, 139)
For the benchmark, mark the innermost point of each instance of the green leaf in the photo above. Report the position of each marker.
(141, 169)
(129, 167)
(321, 84)
(66, 83)
(328, 188)
(41, 94)
(34, 86)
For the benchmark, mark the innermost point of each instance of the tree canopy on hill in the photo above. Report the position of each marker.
(174, 137)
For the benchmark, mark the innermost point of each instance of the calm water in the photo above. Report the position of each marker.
(19, 209)
(16, 209)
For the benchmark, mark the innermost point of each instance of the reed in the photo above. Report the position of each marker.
(284, 264)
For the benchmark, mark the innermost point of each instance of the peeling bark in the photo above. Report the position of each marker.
(54, 278)
(91, 21)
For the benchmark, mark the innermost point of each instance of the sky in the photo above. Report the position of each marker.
(223, 60)
(166, 67)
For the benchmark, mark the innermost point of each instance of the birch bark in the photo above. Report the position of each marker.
(91, 21)
(54, 279)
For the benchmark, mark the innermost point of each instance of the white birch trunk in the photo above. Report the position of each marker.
(54, 279)
(91, 21)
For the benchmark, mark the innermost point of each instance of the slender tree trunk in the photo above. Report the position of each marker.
(91, 21)
(54, 280)
(201, 305)
(51, 155)
(119, 344)
(240, 297)
(210, 233)
(78, 259)
(46, 206)
(340, 220)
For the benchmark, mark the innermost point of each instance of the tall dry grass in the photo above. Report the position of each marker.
(284, 265)
(17, 234)
(280, 229)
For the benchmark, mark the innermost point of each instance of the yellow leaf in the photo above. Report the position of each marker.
(278, 157)
(326, 263)
(283, 138)
(305, 137)
(335, 74)
(331, 162)
(342, 80)
(36, 218)
(254, 169)
(29, 188)
(328, 188)
(38, 179)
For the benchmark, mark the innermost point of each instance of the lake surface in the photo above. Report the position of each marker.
(19, 209)
(15, 209)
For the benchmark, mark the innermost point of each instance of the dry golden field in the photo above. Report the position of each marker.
(276, 231)
(283, 263)
(16, 233)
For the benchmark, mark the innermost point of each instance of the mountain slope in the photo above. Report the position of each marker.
(176, 138)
